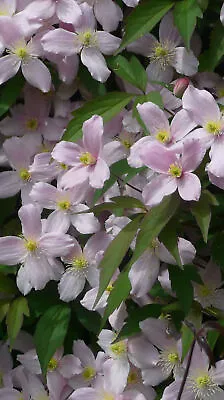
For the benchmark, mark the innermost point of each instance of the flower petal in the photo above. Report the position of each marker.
(30, 218)
(107, 43)
(92, 134)
(71, 284)
(189, 187)
(37, 74)
(10, 184)
(108, 13)
(96, 64)
(9, 66)
(60, 41)
(159, 187)
(12, 250)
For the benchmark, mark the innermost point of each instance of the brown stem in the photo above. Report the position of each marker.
(186, 371)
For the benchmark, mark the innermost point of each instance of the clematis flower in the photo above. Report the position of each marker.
(86, 41)
(67, 11)
(175, 172)
(166, 54)
(107, 13)
(67, 207)
(25, 55)
(202, 382)
(82, 266)
(36, 251)
(205, 112)
(210, 293)
(85, 157)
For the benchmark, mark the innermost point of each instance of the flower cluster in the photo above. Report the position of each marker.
(90, 172)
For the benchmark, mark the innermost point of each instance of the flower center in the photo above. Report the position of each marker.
(204, 387)
(133, 377)
(24, 174)
(204, 291)
(214, 127)
(4, 12)
(163, 136)
(173, 358)
(126, 143)
(108, 396)
(109, 288)
(21, 52)
(52, 365)
(88, 373)
(88, 38)
(32, 124)
(87, 159)
(175, 170)
(168, 361)
(162, 54)
(63, 166)
(203, 381)
(64, 205)
(154, 244)
(118, 348)
(80, 263)
(31, 245)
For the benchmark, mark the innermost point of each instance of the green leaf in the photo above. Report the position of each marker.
(89, 319)
(14, 320)
(50, 333)
(203, 4)
(187, 339)
(131, 71)
(131, 326)
(9, 92)
(115, 253)
(169, 237)
(106, 106)
(211, 57)
(212, 337)
(128, 202)
(151, 226)
(7, 285)
(217, 249)
(185, 18)
(202, 213)
(143, 19)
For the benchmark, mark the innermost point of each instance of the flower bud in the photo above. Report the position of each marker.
(180, 85)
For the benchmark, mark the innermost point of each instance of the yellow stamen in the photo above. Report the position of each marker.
(213, 127)
(163, 136)
(31, 245)
(203, 381)
(132, 377)
(87, 159)
(88, 373)
(64, 205)
(173, 358)
(204, 291)
(24, 174)
(80, 262)
(21, 52)
(32, 124)
(175, 170)
(118, 348)
(52, 365)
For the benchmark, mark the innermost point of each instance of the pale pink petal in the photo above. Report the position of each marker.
(107, 43)
(96, 64)
(153, 117)
(84, 394)
(219, 182)
(83, 352)
(162, 75)
(157, 157)
(12, 250)
(142, 353)
(84, 223)
(215, 167)
(193, 154)
(44, 194)
(58, 221)
(71, 284)
(185, 62)
(9, 394)
(131, 3)
(92, 135)
(18, 152)
(68, 68)
(144, 273)
(31, 223)
(159, 187)
(154, 375)
(108, 13)
(99, 174)
(115, 374)
(97, 243)
(60, 41)
(134, 159)
(9, 66)
(144, 45)
(168, 33)
(69, 365)
(181, 125)
(222, 14)
(164, 255)
(76, 177)
(56, 244)
(67, 153)
(156, 332)
(10, 184)
(113, 152)
(189, 187)
(37, 74)
(55, 384)
(201, 104)
(36, 387)
(23, 282)
(90, 298)
(187, 251)
(68, 11)
(37, 271)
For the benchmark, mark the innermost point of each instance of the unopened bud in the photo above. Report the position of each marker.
(180, 85)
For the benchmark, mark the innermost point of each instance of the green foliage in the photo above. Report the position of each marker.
(169, 237)
(217, 249)
(9, 93)
(143, 19)
(186, 13)
(106, 106)
(131, 71)
(187, 339)
(211, 57)
(201, 210)
(50, 333)
(14, 320)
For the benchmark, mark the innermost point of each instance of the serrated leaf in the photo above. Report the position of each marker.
(106, 106)
(115, 253)
(186, 13)
(211, 57)
(151, 226)
(14, 320)
(131, 71)
(202, 213)
(50, 333)
(143, 19)
(9, 93)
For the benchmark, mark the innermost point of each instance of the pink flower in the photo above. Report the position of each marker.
(36, 251)
(86, 41)
(66, 10)
(86, 158)
(107, 13)
(205, 112)
(175, 172)
(22, 54)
